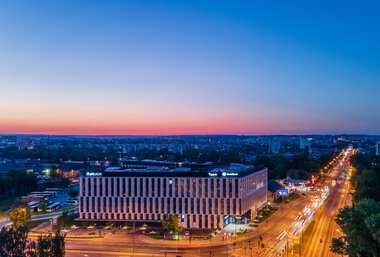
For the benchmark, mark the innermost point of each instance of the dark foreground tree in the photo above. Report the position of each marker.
(48, 246)
(73, 193)
(13, 241)
(338, 246)
(361, 226)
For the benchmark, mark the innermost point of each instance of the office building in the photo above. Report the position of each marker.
(378, 149)
(202, 195)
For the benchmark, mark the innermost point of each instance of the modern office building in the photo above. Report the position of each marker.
(378, 148)
(202, 195)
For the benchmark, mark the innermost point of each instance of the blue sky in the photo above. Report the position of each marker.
(180, 67)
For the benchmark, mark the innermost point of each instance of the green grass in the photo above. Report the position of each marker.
(6, 204)
(288, 199)
(157, 236)
(307, 234)
(266, 213)
(300, 247)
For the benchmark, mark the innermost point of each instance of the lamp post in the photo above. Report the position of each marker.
(133, 239)
(24, 212)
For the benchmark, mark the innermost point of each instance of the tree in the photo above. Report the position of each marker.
(66, 219)
(171, 223)
(373, 224)
(13, 241)
(47, 246)
(367, 185)
(338, 246)
(19, 216)
(73, 193)
(63, 183)
(43, 203)
(58, 245)
(361, 226)
(17, 182)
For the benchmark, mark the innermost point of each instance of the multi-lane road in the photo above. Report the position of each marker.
(326, 228)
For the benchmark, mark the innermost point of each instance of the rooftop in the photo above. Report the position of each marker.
(234, 170)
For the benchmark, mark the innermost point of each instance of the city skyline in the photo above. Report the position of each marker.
(196, 67)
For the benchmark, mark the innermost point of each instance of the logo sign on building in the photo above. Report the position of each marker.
(229, 174)
(224, 174)
(93, 174)
(283, 192)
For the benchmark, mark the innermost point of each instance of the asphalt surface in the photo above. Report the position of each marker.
(326, 228)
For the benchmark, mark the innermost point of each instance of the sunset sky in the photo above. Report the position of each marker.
(189, 67)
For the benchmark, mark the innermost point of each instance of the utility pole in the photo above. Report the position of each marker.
(133, 240)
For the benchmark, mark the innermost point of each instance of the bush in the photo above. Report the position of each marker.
(240, 232)
(157, 236)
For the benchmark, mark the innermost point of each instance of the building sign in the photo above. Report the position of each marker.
(93, 174)
(312, 180)
(283, 192)
(224, 174)
(229, 174)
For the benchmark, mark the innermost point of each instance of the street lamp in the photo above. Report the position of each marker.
(133, 239)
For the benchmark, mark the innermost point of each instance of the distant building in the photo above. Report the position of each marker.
(275, 146)
(305, 143)
(273, 187)
(8, 141)
(378, 149)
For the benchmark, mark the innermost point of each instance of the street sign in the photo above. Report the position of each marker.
(283, 192)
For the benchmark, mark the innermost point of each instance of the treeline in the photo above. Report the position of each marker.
(191, 154)
(361, 222)
(221, 157)
(278, 166)
(61, 153)
(366, 178)
(16, 183)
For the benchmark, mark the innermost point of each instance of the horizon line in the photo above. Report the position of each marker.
(195, 134)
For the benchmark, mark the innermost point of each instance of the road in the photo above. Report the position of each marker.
(326, 228)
